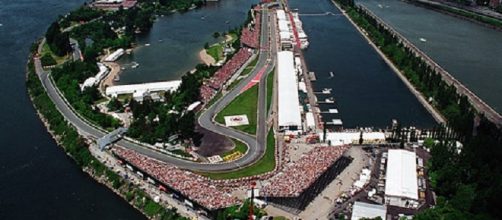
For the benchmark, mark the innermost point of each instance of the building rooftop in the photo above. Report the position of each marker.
(401, 177)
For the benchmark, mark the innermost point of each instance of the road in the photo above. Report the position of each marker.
(256, 148)
(256, 145)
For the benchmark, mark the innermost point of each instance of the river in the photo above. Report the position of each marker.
(367, 92)
(38, 180)
(175, 41)
(468, 51)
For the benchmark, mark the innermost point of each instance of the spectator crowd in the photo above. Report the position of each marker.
(297, 177)
(251, 34)
(210, 86)
(250, 37)
(190, 185)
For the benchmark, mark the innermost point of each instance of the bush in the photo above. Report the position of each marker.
(48, 60)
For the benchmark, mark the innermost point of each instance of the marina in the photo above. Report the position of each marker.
(367, 91)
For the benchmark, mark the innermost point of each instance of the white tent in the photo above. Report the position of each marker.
(401, 180)
(365, 210)
(289, 111)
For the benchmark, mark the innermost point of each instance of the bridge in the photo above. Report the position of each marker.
(111, 137)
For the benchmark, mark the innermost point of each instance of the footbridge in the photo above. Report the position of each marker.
(111, 137)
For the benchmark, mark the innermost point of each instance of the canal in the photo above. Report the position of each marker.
(367, 92)
(468, 51)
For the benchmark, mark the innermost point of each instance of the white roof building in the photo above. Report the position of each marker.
(289, 104)
(365, 210)
(341, 138)
(91, 81)
(309, 118)
(285, 35)
(103, 71)
(142, 88)
(401, 187)
(283, 26)
(281, 15)
(115, 55)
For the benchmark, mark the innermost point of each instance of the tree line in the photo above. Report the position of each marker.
(467, 179)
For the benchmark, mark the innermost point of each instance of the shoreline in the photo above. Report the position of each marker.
(438, 117)
(86, 170)
(90, 171)
(206, 58)
(114, 72)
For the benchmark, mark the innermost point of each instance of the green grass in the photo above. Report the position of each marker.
(270, 88)
(47, 50)
(244, 104)
(265, 164)
(215, 51)
(239, 146)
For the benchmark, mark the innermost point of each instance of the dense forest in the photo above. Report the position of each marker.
(467, 180)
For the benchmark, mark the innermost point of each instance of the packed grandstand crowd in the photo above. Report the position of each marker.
(297, 177)
(250, 38)
(251, 35)
(190, 185)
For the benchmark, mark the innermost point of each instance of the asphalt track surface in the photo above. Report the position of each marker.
(256, 145)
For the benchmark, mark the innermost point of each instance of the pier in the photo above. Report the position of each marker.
(474, 100)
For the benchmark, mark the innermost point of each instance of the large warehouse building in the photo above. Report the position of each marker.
(401, 187)
(289, 104)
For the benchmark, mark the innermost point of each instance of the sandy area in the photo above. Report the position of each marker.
(114, 71)
(206, 58)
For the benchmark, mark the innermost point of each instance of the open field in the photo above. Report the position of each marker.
(215, 51)
(244, 104)
(265, 164)
(239, 147)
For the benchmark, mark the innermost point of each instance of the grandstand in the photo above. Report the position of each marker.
(299, 183)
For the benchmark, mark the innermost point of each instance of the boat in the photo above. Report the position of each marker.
(135, 65)
(203, 17)
(116, 78)
(326, 91)
(331, 74)
(423, 39)
(227, 21)
(147, 45)
(330, 100)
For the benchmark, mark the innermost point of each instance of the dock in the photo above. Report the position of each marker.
(312, 76)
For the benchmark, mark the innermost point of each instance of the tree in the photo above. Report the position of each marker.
(52, 31)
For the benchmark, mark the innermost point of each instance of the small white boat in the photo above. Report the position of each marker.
(330, 100)
(326, 91)
(1, 24)
(135, 65)
(423, 39)
(331, 75)
(147, 45)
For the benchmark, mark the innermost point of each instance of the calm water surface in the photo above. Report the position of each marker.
(366, 90)
(469, 51)
(175, 41)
